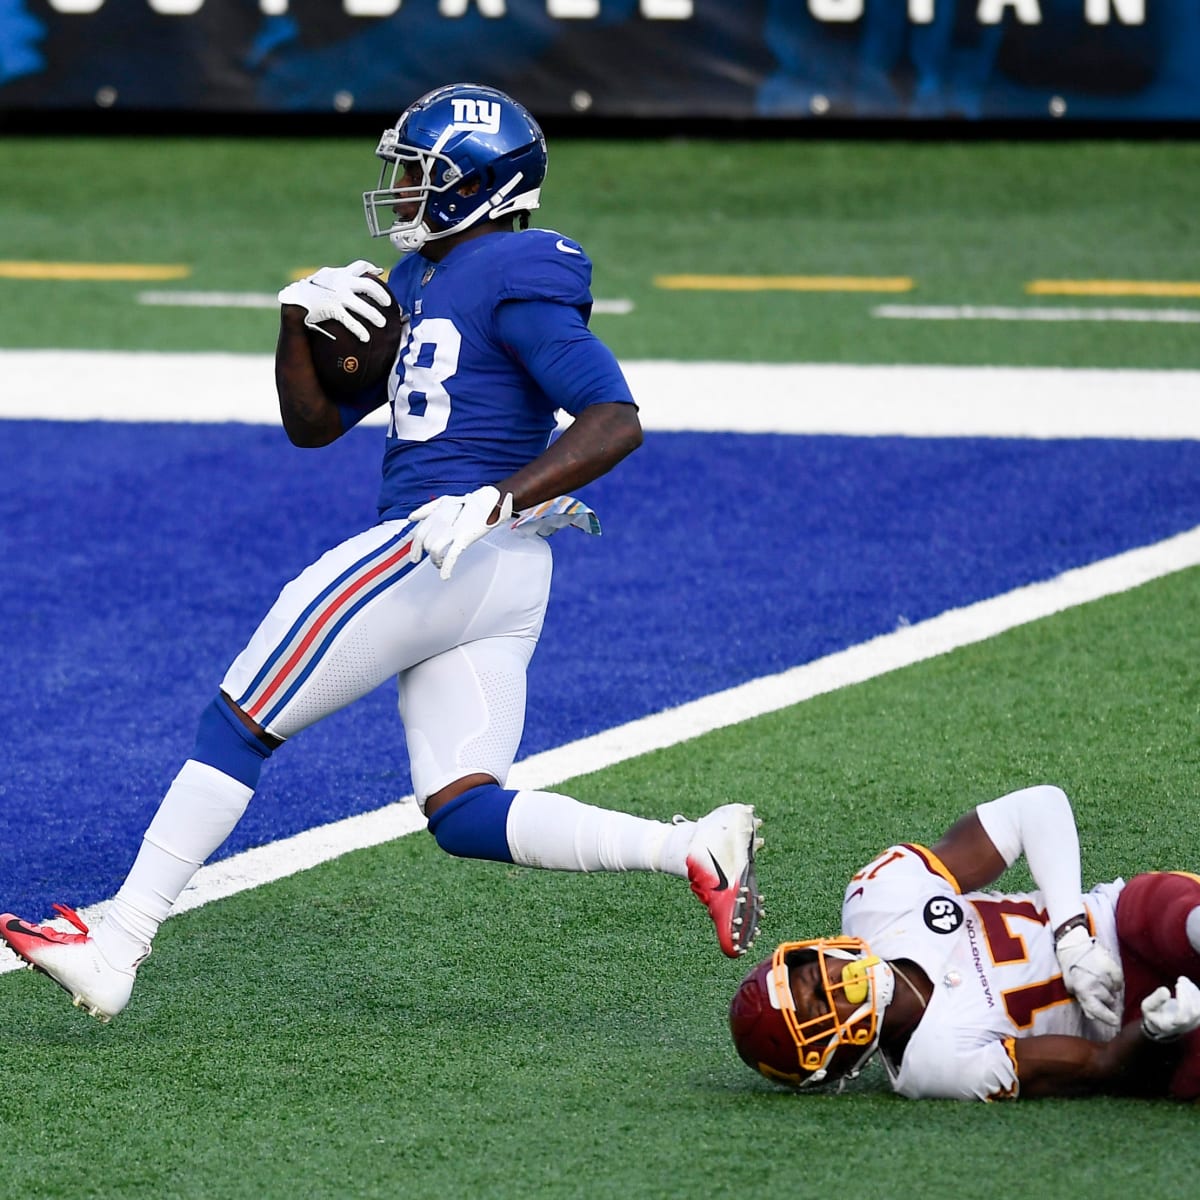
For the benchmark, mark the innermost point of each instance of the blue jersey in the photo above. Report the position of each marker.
(497, 343)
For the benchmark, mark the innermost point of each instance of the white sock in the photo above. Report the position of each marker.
(548, 830)
(1193, 928)
(197, 814)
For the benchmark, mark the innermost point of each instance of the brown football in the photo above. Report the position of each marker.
(344, 364)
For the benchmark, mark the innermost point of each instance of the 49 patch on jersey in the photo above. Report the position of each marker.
(942, 915)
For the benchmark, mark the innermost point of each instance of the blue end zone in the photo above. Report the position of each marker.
(137, 559)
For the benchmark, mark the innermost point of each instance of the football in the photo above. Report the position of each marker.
(344, 364)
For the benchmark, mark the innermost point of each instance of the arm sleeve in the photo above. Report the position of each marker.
(569, 362)
(1039, 822)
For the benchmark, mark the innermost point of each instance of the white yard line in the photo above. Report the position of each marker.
(807, 398)
(1042, 312)
(889, 652)
(209, 299)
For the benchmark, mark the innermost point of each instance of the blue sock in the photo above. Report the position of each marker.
(474, 824)
(222, 741)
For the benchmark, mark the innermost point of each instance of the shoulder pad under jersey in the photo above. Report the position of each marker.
(540, 264)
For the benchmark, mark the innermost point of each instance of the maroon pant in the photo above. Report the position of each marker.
(1152, 914)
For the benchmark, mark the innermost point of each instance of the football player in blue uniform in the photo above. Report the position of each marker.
(447, 592)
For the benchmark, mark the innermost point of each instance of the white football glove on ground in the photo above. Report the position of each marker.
(1091, 975)
(1166, 1017)
(448, 525)
(335, 293)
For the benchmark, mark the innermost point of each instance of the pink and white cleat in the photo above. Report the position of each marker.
(73, 961)
(720, 863)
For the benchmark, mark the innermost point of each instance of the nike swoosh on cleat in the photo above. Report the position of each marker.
(722, 880)
(20, 927)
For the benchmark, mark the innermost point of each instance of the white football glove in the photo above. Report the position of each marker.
(448, 525)
(336, 293)
(1091, 975)
(1166, 1017)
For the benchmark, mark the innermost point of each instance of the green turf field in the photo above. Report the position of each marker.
(400, 1024)
(968, 222)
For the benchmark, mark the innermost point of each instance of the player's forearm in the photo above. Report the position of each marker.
(309, 417)
(1066, 1066)
(1039, 822)
(598, 440)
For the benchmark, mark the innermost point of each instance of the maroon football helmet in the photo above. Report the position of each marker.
(803, 1049)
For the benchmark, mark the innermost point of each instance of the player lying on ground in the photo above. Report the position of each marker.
(968, 994)
(447, 592)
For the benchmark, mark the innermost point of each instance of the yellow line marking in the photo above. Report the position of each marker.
(1111, 287)
(101, 271)
(785, 283)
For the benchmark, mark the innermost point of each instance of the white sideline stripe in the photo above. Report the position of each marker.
(271, 300)
(806, 398)
(879, 656)
(975, 312)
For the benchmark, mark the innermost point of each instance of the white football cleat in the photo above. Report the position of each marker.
(720, 864)
(73, 961)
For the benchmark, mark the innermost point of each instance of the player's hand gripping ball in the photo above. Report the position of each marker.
(354, 325)
(345, 364)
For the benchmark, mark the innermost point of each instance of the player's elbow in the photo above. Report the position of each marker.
(631, 440)
(603, 435)
(310, 440)
(308, 416)
(310, 435)
(625, 430)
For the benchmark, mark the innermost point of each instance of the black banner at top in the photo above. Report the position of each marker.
(788, 59)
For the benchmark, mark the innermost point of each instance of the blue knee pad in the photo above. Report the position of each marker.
(475, 824)
(222, 741)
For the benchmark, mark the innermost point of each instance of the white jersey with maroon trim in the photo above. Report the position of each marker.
(990, 957)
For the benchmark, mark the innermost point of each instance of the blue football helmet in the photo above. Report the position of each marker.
(462, 154)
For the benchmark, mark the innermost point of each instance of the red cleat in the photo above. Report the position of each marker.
(720, 865)
(72, 960)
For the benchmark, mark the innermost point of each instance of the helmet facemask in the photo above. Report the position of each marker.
(437, 174)
(809, 1050)
(431, 157)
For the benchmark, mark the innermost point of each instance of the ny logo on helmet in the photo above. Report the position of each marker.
(476, 114)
